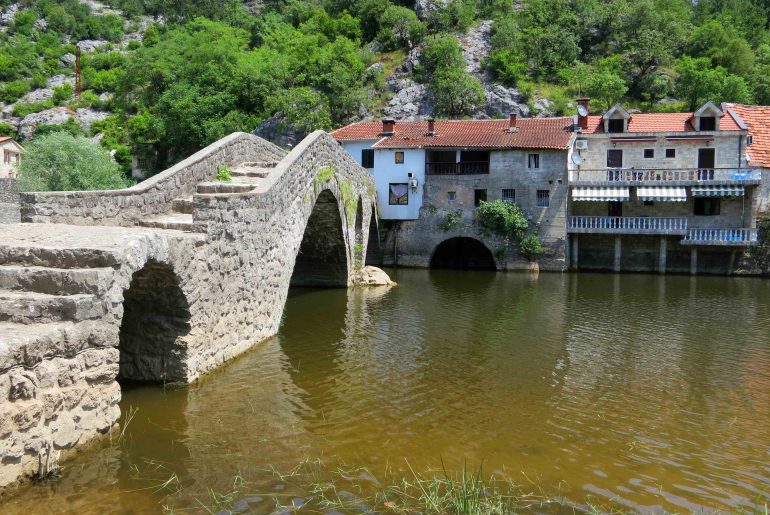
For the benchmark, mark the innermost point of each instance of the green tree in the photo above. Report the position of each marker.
(62, 162)
(456, 92)
(699, 83)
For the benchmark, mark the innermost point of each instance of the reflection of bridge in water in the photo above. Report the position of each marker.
(162, 281)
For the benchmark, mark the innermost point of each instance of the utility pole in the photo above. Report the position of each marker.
(78, 84)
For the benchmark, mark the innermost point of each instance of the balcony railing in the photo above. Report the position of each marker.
(737, 237)
(626, 225)
(680, 175)
(464, 168)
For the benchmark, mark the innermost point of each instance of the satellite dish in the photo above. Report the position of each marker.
(577, 159)
(582, 111)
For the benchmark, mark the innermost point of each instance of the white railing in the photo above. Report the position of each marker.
(722, 235)
(613, 175)
(628, 224)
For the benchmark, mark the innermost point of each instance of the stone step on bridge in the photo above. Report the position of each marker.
(163, 281)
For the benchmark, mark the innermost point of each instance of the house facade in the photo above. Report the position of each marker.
(433, 171)
(665, 192)
(11, 153)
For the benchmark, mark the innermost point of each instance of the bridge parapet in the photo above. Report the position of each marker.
(152, 196)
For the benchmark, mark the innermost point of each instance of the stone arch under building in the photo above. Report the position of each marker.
(322, 259)
(155, 315)
(464, 254)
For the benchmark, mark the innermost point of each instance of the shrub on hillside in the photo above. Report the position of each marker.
(62, 162)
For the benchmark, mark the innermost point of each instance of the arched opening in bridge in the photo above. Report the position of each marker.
(322, 257)
(462, 253)
(155, 315)
(373, 247)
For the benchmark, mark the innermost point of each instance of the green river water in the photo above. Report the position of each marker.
(642, 392)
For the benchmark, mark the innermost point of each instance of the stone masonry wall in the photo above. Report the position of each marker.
(152, 196)
(252, 244)
(9, 202)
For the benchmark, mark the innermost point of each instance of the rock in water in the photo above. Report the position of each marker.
(371, 276)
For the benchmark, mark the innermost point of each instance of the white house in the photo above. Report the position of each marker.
(11, 152)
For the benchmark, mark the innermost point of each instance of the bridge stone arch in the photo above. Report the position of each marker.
(322, 258)
(156, 315)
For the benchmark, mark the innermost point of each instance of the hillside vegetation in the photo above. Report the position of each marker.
(176, 75)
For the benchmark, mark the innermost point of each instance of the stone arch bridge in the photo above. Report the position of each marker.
(162, 281)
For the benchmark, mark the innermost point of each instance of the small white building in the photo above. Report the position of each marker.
(11, 153)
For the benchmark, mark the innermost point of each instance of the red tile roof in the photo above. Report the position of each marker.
(3, 139)
(758, 120)
(546, 133)
(660, 122)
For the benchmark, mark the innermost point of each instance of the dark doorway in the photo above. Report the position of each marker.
(479, 196)
(614, 209)
(706, 162)
(614, 158)
(155, 315)
(322, 257)
(463, 254)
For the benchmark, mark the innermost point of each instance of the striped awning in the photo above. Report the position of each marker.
(601, 194)
(662, 193)
(717, 191)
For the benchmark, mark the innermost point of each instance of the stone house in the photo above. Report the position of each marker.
(11, 153)
(666, 192)
(428, 171)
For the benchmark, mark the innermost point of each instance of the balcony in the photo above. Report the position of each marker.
(671, 176)
(462, 168)
(626, 225)
(722, 237)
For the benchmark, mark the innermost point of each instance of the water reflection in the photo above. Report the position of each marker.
(649, 392)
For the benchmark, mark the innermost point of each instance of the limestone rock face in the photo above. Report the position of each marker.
(371, 276)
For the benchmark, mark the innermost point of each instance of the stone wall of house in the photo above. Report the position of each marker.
(414, 242)
(729, 151)
(99, 291)
(152, 196)
(9, 202)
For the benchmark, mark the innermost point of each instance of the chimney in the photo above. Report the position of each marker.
(512, 121)
(388, 126)
(431, 127)
(582, 121)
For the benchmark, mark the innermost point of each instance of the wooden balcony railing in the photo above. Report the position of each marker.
(639, 175)
(464, 168)
(627, 225)
(738, 236)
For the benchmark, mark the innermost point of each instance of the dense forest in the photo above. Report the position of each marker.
(176, 75)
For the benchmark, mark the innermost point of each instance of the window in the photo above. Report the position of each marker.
(509, 195)
(451, 196)
(708, 123)
(649, 203)
(707, 206)
(614, 158)
(399, 194)
(614, 209)
(649, 153)
(399, 158)
(533, 161)
(543, 198)
(670, 153)
(615, 125)
(479, 196)
(367, 158)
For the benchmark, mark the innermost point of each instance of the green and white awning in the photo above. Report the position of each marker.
(718, 191)
(601, 194)
(662, 193)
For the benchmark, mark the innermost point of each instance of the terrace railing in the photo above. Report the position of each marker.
(463, 168)
(739, 236)
(684, 175)
(627, 225)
